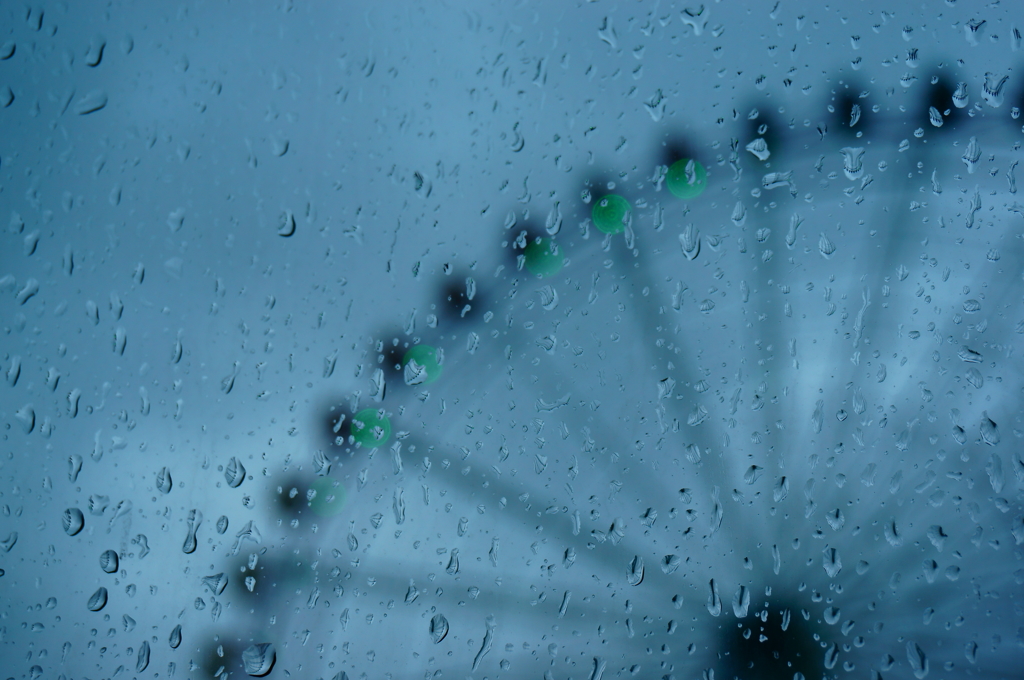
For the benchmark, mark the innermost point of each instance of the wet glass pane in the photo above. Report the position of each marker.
(524, 340)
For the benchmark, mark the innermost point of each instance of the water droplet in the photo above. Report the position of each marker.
(695, 19)
(195, 518)
(279, 146)
(989, 430)
(892, 533)
(831, 656)
(286, 224)
(74, 467)
(94, 55)
(635, 574)
(759, 148)
(781, 490)
(258, 660)
(73, 521)
(27, 417)
(960, 95)
(714, 601)
(836, 519)
(833, 565)
(98, 600)
(438, 628)
(971, 155)
(234, 473)
(826, 247)
(163, 480)
(739, 214)
(741, 602)
(854, 114)
(992, 89)
(607, 33)
(689, 241)
(853, 161)
(968, 355)
(917, 659)
(216, 583)
(775, 180)
(175, 638)
(994, 468)
(120, 340)
(108, 561)
(453, 562)
(91, 102)
(422, 365)
(398, 505)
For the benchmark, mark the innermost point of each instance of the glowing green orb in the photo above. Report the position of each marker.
(610, 213)
(543, 257)
(371, 428)
(421, 365)
(686, 179)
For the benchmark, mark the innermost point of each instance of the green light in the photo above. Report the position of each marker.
(686, 179)
(543, 257)
(371, 428)
(610, 214)
(330, 496)
(425, 369)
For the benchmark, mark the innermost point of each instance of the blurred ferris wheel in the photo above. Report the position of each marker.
(719, 413)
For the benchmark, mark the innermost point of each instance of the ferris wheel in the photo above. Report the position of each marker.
(716, 413)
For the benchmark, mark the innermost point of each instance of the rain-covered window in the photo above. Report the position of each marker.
(563, 340)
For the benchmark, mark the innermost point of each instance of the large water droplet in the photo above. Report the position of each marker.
(163, 480)
(234, 473)
(918, 660)
(98, 600)
(992, 89)
(108, 561)
(960, 95)
(971, 155)
(216, 583)
(714, 601)
(759, 148)
(175, 638)
(258, 660)
(195, 518)
(142, 658)
(438, 628)
(91, 102)
(853, 161)
(73, 521)
(635, 575)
